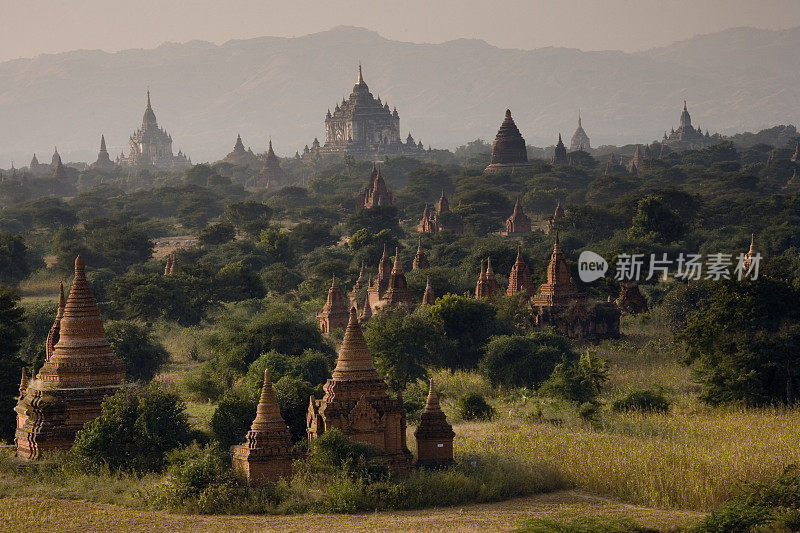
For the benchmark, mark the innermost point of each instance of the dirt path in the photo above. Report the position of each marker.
(66, 516)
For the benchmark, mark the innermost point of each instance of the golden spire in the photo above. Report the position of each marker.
(360, 79)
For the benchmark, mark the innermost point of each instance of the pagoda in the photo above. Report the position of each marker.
(266, 455)
(378, 287)
(420, 258)
(151, 146)
(376, 193)
(508, 148)
(636, 160)
(103, 160)
(70, 387)
(560, 155)
(434, 434)
(580, 141)
(59, 173)
(357, 403)
(361, 281)
(519, 280)
(560, 287)
(241, 156)
(271, 173)
(487, 285)
(429, 298)
(397, 292)
(518, 223)
(686, 136)
(751, 253)
(428, 223)
(631, 301)
(334, 313)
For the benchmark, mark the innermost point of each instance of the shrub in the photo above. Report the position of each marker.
(334, 453)
(233, 416)
(579, 381)
(524, 360)
(136, 428)
(644, 400)
(474, 407)
(135, 345)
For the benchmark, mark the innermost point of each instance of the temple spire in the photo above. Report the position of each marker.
(148, 99)
(354, 362)
(360, 79)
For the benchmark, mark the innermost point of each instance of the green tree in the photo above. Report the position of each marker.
(216, 234)
(136, 428)
(250, 217)
(580, 381)
(524, 360)
(135, 345)
(12, 333)
(236, 282)
(14, 265)
(655, 221)
(403, 344)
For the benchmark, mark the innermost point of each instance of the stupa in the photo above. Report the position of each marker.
(508, 148)
(71, 385)
(487, 286)
(334, 313)
(518, 223)
(420, 258)
(519, 280)
(357, 403)
(434, 434)
(429, 298)
(266, 454)
(398, 292)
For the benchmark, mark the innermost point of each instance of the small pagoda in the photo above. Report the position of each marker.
(487, 285)
(398, 293)
(560, 155)
(420, 258)
(334, 313)
(429, 298)
(434, 434)
(518, 223)
(266, 454)
(357, 403)
(519, 280)
(79, 372)
(631, 301)
(271, 174)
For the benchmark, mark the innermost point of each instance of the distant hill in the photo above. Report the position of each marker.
(446, 94)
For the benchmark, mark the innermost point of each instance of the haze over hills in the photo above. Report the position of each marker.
(446, 94)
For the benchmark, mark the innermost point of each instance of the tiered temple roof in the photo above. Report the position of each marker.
(518, 223)
(151, 146)
(59, 173)
(266, 454)
(636, 160)
(560, 288)
(103, 160)
(271, 173)
(356, 402)
(519, 280)
(241, 156)
(508, 148)
(560, 155)
(686, 136)
(398, 293)
(420, 259)
(428, 223)
(70, 387)
(429, 298)
(334, 313)
(487, 285)
(376, 193)
(751, 253)
(434, 434)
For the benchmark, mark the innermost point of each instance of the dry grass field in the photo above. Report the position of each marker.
(34, 515)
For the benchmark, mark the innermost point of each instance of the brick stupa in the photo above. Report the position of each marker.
(357, 403)
(266, 454)
(420, 259)
(560, 288)
(434, 434)
(334, 313)
(518, 223)
(398, 292)
(429, 298)
(508, 148)
(519, 280)
(70, 387)
(487, 285)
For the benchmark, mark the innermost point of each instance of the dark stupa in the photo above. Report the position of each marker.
(508, 148)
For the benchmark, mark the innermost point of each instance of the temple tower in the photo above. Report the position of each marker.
(443, 206)
(560, 156)
(71, 385)
(103, 160)
(508, 148)
(751, 253)
(398, 292)
(266, 454)
(420, 258)
(429, 298)
(636, 160)
(560, 288)
(271, 173)
(487, 286)
(427, 223)
(519, 280)
(357, 403)
(377, 193)
(434, 434)
(334, 313)
(60, 173)
(518, 223)
(377, 289)
(579, 141)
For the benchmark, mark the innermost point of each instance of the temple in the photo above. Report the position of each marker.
(420, 258)
(75, 378)
(266, 454)
(751, 253)
(357, 403)
(636, 160)
(377, 193)
(519, 280)
(560, 155)
(271, 174)
(631, 301)
(103, 160)
(397, 292)
(377, 288)
(241, 156)
(428, 298)
(151, 146)
(686, 136)
(434, 434)
(508, 148)
(518, 223)
(364, 126)
(579, 141)
(487, 285)
(59, 172)
(334, 313)
(433, 221)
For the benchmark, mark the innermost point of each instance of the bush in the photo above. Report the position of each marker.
(524, 360)
(579, 381)
(136, 428)
(474, 407)
(134, 344)
(334, 453)
(233, 416)
(644, 400)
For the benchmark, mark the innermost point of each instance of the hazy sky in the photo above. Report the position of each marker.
(31, 27)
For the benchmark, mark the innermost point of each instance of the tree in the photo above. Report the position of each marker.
(655, 221)
(236, 282)
(14, 265)
(12, 333)
(580, 381)
(524, 360)
(250, 217)
(468, 326)
(135, 345)
(198, 175)
(216, 234)
(403, 344)
(745, 338)
(136, 428)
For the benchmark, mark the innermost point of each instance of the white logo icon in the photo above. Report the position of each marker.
(591, 266)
